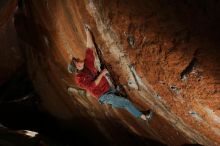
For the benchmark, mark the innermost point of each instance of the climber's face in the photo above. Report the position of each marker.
(79, 64)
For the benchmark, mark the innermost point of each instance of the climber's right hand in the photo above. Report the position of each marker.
(104, 71)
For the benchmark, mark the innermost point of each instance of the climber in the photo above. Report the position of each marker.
(88, 78)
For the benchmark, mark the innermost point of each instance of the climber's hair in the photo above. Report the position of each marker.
(76, 60)
(71, 66)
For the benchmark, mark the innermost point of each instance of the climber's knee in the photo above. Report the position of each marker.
(127, 102)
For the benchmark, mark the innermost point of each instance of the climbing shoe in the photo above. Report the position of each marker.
(149, 115)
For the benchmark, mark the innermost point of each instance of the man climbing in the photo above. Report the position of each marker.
(94, 82)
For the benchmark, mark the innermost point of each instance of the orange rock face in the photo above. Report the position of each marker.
(164, 53)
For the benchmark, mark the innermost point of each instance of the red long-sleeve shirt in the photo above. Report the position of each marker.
(86, 78)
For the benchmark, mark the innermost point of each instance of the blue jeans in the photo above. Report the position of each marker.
(119, 102)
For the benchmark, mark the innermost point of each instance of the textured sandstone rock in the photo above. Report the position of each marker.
(165, 53)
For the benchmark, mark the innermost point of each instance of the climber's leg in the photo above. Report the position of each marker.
(120, 102)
